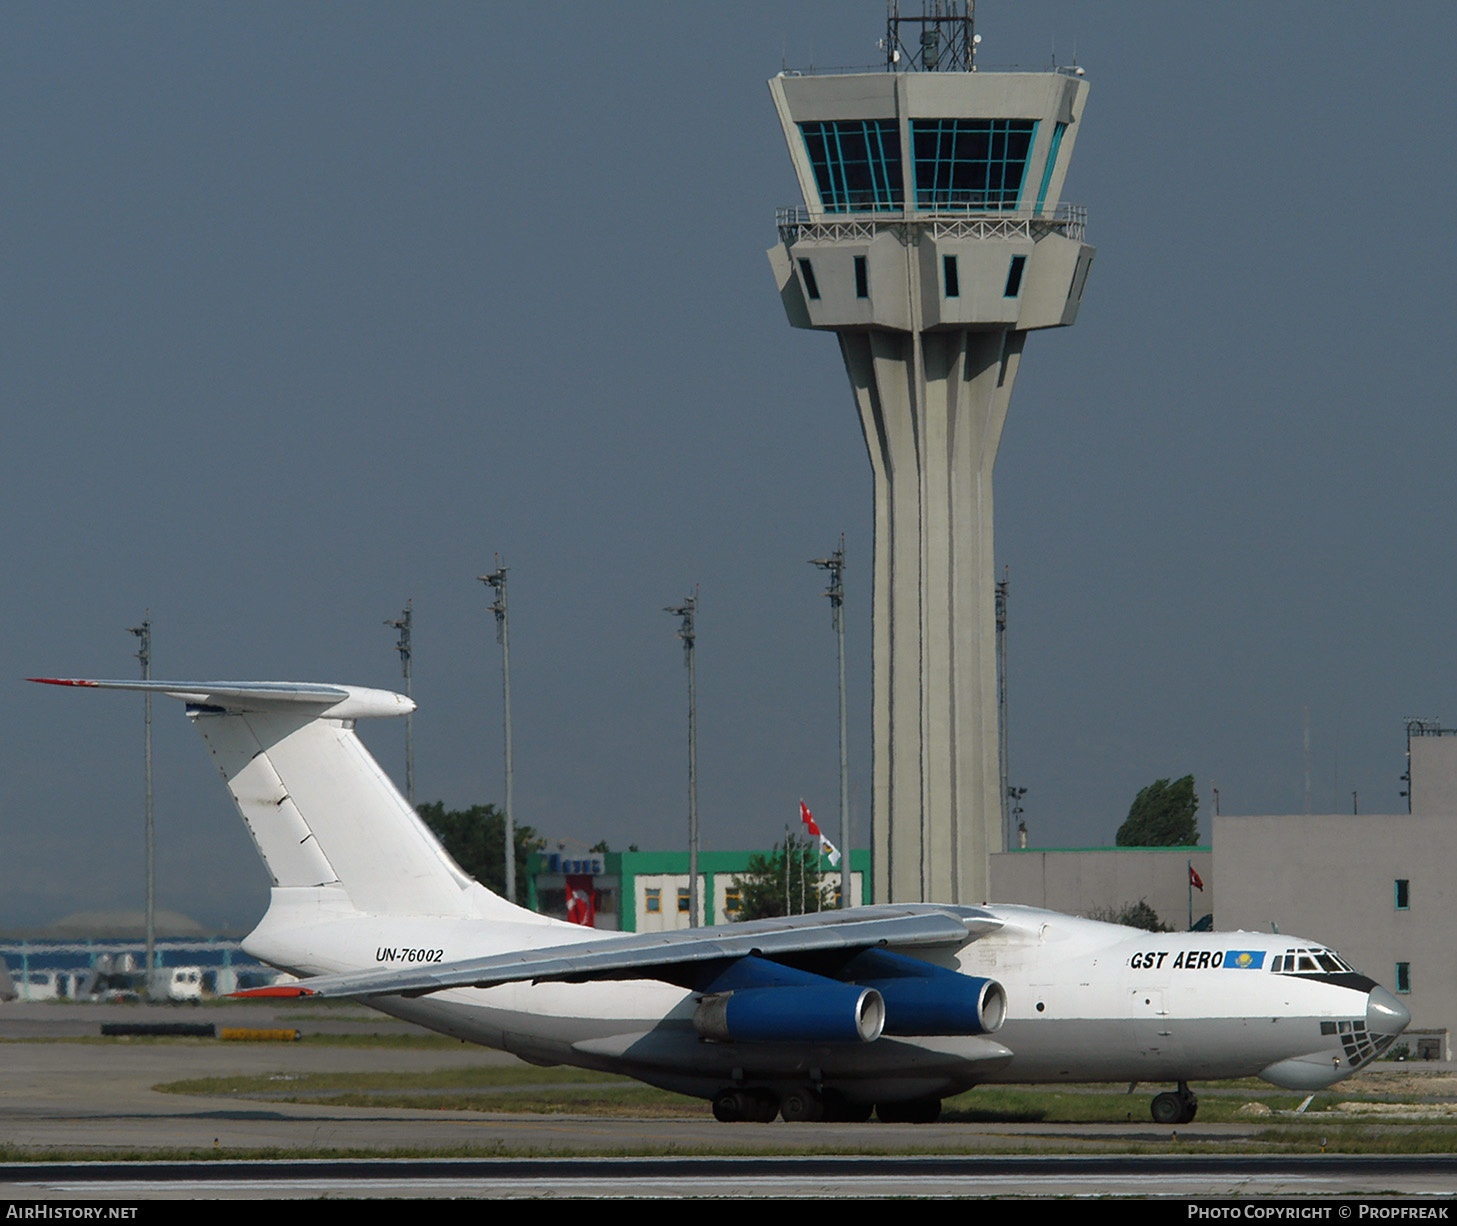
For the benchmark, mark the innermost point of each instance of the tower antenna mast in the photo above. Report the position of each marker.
(942, 39)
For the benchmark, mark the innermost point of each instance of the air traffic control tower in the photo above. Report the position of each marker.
(932, 240)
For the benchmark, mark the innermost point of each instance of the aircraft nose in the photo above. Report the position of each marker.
(1384, 1013)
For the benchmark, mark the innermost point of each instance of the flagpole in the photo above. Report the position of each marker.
(1189, 885)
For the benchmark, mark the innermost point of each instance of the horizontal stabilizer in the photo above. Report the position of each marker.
(639, 956)
(335, 701)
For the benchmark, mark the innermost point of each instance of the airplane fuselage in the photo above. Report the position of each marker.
(1085, 1001)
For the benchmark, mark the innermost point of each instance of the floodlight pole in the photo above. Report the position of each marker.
(402, 624)
(144, 654)
(835, 565)
(688, 633)
(496, 581)
(1005, 788)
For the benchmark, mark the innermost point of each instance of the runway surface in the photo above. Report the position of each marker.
(1155, 1178)
(73, 1098)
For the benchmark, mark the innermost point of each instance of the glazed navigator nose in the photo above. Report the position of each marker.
(1384, 1013)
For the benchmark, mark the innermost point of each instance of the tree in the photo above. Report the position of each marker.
(476, 838)
(762, 888)
(1162, 815)
(1132, 915)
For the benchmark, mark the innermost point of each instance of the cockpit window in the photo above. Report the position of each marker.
(1310, 962)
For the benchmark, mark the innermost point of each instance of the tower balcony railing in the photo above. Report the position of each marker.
(800, 224)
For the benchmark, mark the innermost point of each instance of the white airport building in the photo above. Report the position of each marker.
(1376, 887)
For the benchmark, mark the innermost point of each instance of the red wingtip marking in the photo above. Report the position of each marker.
(277, 990)
(59, 681)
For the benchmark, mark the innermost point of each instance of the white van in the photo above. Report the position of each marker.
(185, 983)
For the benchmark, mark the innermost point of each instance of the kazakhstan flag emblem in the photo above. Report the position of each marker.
(1244, 959)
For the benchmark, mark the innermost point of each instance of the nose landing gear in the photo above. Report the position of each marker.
(1174, 1107)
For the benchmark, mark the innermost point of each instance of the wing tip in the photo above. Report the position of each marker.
(62, 681)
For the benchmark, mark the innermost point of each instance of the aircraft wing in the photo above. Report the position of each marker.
(666, 955)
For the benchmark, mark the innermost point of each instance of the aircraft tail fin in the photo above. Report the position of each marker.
(320, 810)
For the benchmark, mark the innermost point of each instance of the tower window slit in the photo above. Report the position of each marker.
(811, 286)
(951, 276)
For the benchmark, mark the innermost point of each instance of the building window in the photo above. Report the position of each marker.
(655, 901)
(1403, 894)
(1014, 275)
(951, 277)
(683, 900)
(856, 163)
(970, 163)
(732, 901)
(1079, 281)
(1403, 976)
(862, 278)
(811, 286)
(1051, 164)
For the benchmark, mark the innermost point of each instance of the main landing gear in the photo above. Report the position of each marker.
(1174, 1107)
(745, 1106)
(807, 1105)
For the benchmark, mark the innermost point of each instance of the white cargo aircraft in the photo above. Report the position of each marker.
(826, 1016)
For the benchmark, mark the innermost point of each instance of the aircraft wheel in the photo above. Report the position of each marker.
(801, 1107)
(1189, 1102)
(1167, 1108)
(728, 1107)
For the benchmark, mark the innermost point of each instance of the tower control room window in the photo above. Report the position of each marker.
(1051, 166)
(970, 163)
(856, 163)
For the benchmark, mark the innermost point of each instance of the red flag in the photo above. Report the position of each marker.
(826, 847)
(581, 900)
(1194, 880)
(808, 819)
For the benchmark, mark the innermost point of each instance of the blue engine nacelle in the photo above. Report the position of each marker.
(959, 1004)
(924, 999)
(756, 1000)
(827, 1012)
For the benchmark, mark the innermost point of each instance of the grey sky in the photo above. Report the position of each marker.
(311, 309)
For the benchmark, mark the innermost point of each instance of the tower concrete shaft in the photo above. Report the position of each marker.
(932, 240)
